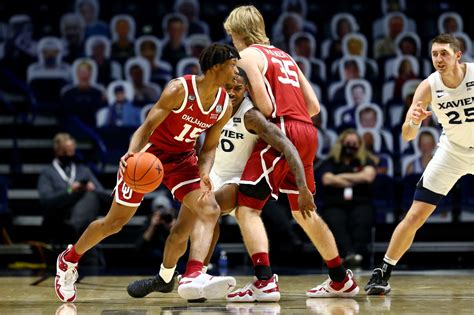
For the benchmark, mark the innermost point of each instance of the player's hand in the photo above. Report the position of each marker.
(206, 187)
(123, 162)
(306, 203)
(419, 113)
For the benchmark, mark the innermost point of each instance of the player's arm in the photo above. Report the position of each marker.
(310, 98)
(417, 111)
(268, 132)
(271, 134)
(209, 146)
(251, 61)
(171, 98)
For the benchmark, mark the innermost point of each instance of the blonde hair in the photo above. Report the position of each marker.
(336, 151)
(59, 139)
(247, 21)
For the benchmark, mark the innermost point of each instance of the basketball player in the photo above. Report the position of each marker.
(283, 94)
(449, 91)
(188, 106)
(237, 141)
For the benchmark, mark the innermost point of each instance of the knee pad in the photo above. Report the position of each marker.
(425, 195)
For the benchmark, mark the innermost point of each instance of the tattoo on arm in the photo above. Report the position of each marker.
(271, 134)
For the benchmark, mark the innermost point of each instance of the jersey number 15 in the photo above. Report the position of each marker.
(193, 135)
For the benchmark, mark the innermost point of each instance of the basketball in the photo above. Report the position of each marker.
(144, 172)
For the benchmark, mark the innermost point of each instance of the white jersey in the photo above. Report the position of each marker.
(235, 146)
(454, 109)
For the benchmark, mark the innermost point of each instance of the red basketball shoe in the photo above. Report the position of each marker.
(66, 276)
(347, 288)
(257, 291)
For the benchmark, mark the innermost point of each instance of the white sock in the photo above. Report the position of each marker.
(204, 269)
(390, 261)
(167, 273)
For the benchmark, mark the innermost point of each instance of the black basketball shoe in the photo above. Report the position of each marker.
(141, 288)
(377, 285)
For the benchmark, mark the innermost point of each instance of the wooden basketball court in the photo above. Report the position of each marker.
(412, 293)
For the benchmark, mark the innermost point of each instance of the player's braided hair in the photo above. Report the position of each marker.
(216, 54)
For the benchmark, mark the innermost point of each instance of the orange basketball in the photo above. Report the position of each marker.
(144, 172)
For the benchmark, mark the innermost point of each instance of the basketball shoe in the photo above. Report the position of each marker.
(66, 277)
(199, 286)
(257, 291)
(347, 288)
(377, 285)
(143, 287)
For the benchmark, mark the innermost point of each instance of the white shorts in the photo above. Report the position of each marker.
(219, 181)
(445, 169)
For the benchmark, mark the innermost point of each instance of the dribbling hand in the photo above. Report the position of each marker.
(123, 162)
(419, 113)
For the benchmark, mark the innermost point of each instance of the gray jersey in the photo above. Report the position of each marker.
(454, 109)
(235, 145)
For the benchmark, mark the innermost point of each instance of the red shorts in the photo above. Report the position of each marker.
(266, 163)
(181, 176)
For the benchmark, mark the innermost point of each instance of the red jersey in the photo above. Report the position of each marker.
(180, 130)
(282, 83)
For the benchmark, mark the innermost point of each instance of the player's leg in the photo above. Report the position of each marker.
(199, 215)
(195, 284)
(226, 197)
(264, 287)
(165, 279)
(175, 247)
(215, 239)
(67, 262)
(405, 231)
(252, 198)
(319, 234)
(442, 172)
(340, 282)
(112, 223)
(204, 214)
